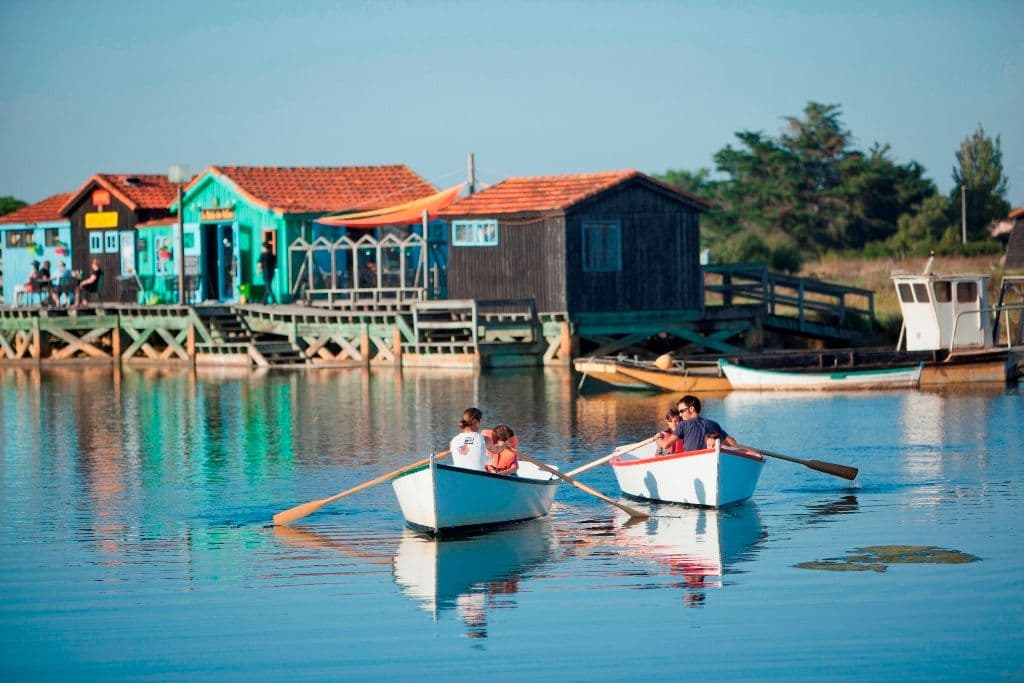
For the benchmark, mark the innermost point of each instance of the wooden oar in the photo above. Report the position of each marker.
(601, 461)
(583, 487)
(300, 511)
(826, 467)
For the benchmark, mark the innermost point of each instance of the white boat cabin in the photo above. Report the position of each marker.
(944, 311)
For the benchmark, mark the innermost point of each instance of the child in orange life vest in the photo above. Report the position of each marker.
(503, 457)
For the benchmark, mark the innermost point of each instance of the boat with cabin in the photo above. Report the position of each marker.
(444, 499)
(712, 477)
(951, 318)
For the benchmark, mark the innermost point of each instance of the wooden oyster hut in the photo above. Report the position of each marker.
(603, 243)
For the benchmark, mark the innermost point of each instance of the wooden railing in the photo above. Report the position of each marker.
(806, 300)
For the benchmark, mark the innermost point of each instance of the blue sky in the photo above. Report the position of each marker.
(530, 88)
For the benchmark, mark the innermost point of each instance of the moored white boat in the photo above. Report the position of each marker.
(744, 378)
(439, 498)
(714, 477)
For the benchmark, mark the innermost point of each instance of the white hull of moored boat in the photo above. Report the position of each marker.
(438, 498)
(715, 477)
(756, 379)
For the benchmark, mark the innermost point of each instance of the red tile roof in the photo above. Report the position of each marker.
(552, 193)
(46, 211)
(324, 189)
(1017, 213)
(136, 190)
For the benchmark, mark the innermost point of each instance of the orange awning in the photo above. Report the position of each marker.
(402, 214)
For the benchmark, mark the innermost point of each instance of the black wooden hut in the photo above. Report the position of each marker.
(103, 214)
(581, 243)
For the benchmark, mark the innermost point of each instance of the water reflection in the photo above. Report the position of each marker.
(701, 545)
(820, 512)
(472, 575)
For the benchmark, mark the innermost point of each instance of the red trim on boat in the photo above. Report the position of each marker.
(616, 462)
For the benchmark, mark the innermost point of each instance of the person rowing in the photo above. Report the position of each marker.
(693, 429)
(469, 447)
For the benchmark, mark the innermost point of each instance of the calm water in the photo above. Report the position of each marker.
(135, 539)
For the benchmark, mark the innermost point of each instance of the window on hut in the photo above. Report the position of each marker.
(19, 239)
(475, 233)
(602, 246)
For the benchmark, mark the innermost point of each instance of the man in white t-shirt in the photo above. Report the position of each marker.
(469, 447)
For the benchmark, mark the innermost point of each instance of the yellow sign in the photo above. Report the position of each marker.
(216, 215)
(101, 219)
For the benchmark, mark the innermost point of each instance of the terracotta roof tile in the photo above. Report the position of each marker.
(325, 189)
(45, 211)
(136, 190)
(144, 191)
(1017, 213)
(549, 193)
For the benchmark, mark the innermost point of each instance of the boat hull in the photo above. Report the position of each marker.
(608, 373)
(756, 379)
(692, 381)
(715, 477)
(442, 498)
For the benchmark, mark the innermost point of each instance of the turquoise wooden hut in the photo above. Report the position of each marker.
(38, 232)
(229, 211)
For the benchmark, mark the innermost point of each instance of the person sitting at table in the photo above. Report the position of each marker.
(31, 284)
(44, 283)
(62, 284)
(90, 285)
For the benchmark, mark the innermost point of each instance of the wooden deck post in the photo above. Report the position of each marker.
(364, 344)
(569, 346)
(37, 341)
(115, 342)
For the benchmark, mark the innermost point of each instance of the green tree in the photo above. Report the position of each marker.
(980, 171)
(921, 231)
(809, 191)
(8, 204)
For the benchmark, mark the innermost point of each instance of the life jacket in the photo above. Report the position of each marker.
(505, 459)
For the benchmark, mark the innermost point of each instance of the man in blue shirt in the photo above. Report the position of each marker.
(694, 429)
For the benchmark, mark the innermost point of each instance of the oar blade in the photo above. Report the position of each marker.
(833, 469)
(298, 512)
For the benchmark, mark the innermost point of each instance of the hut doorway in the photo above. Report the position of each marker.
(219, 261)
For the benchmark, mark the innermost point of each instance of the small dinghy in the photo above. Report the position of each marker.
(439, 499)
(713, 477)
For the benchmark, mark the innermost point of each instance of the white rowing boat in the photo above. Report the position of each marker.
(440, 498)
(742, 377)
(714, 477)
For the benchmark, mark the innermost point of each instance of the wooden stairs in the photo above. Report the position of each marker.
(231, 338)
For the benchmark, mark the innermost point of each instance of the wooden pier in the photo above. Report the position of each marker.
(413, 331)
